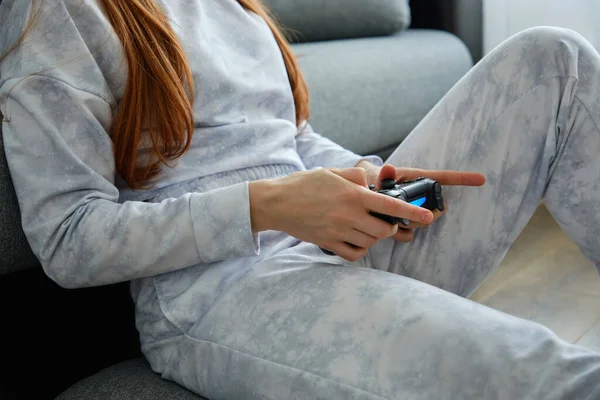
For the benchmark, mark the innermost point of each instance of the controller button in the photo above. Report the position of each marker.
(388, 183)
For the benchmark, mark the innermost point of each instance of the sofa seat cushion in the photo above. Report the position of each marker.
(311, 20)
(129, 380)
(368, 94)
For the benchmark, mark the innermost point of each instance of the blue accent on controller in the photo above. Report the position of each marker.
(418, 202)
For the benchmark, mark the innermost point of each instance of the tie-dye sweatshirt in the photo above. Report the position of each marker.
(59, 92)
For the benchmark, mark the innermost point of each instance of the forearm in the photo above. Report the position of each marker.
(98, 241)
(319, 151)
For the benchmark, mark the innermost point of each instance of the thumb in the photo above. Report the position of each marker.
(388, 171)
(356, 174)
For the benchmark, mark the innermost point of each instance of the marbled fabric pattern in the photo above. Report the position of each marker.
(233, 316)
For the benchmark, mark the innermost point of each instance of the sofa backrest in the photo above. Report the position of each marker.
(15, 253)
(314, 20)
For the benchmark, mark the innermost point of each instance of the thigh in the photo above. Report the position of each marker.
(298, 326)
(503, 119)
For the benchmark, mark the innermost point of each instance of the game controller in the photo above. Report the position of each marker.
(421, 192)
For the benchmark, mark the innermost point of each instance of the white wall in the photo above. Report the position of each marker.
(504, 18)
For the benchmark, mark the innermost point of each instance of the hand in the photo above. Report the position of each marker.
(376, 174)
(330, 208)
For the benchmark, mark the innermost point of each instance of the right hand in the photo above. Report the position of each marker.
(330, 208)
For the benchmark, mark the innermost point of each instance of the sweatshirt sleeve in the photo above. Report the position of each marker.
(318, 151)
(61, 162)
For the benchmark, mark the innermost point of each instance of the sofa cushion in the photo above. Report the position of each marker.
(16, 253)
(129, 380)
(368, 94)
(312, 20)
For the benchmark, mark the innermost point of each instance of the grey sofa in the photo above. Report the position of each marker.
(372, 77)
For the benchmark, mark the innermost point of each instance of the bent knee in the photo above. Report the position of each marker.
(549, 39)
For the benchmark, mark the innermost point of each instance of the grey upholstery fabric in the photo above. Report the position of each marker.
(14, 249)
(368, 94)
(312, 20)
(129, 380)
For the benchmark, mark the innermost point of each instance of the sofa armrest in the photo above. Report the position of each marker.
(463, 18)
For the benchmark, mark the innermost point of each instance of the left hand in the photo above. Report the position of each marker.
(376, 174)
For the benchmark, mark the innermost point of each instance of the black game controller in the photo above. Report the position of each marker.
(421, 192)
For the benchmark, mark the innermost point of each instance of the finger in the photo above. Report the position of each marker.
(404, 235)
(386, 205)
(437, 214)
(347, 251)
(444, 177)
(360, 239)
(375, 227)
(388, 171)
(356, 174)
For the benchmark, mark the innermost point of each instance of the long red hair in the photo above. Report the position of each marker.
(158, 98)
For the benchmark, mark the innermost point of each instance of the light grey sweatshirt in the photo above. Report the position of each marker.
(58, 94)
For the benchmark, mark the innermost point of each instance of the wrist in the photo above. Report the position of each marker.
(261, 193)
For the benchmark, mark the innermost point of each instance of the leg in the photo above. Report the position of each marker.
(297, 327)
(526, 117)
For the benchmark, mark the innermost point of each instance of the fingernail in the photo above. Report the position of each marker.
(427, 217)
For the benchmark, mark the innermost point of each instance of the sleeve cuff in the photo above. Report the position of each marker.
(375, 160)
(349, 160)
(221, 224)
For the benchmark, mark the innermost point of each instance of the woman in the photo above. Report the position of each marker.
(166, 143)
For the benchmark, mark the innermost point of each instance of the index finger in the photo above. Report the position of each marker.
(444, 177)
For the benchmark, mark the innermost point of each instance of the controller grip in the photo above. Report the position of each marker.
(389, 219)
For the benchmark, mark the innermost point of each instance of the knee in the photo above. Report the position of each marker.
(549, 36)
(544, 52)
(547, 40)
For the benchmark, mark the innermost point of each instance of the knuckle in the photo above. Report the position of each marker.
(392, 206)
(362, 173)
(390, 203)
(321, 172)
